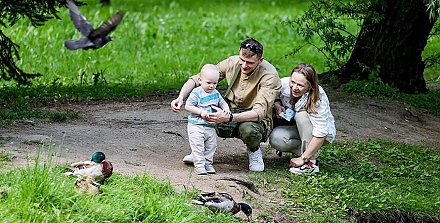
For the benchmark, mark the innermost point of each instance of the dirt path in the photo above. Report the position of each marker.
(147, 137)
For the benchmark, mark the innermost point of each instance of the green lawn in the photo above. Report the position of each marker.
(41, 193)
(376, 179)
(161, 43)
(358, 180)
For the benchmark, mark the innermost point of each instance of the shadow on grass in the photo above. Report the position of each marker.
(393, 216)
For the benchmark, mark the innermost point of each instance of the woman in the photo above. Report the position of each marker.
(315, 124)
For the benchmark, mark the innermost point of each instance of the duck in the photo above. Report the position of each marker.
(97, 168)
(222, 202)
(87, 186)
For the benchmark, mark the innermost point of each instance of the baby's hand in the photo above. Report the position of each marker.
(204, 114)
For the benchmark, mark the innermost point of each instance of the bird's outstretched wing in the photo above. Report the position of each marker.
(77, 44)
(107, 27)
(80, 22)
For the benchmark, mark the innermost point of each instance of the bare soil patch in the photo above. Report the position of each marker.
(147, 137)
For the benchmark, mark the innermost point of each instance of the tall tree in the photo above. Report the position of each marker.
(390, 42)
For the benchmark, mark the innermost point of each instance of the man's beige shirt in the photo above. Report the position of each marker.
(256, 91)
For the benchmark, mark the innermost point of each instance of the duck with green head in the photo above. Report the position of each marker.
(97, 168)
(222, 202)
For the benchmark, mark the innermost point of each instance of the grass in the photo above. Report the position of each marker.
(19, 109)
(357, 179)
(162, 43)
(44, 95)
(427, 101)
(41, 193)
(4, 156)
(158, 45)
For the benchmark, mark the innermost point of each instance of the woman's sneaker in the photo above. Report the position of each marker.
(309, 167)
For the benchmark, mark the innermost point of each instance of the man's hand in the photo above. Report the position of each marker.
(219, 116)
(176, 104)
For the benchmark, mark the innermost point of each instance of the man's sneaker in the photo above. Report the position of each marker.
(308, 167)
(256, 160)
(200, 170)
(188, 159)
(209, 169)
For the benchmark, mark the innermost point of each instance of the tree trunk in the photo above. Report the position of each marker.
(392, 45)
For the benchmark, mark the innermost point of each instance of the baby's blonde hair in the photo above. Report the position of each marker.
(209, 69)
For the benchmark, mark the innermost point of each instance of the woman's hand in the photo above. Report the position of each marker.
(297, 162)
(278, 109)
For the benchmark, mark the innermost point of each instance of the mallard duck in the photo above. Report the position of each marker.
(87, 185)
(222, 202)
(97, 168)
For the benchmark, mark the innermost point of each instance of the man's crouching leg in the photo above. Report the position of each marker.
(251, 133)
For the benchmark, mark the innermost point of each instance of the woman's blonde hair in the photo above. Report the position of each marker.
(309, 72)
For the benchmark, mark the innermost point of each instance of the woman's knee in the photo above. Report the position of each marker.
(277, 138)
(302, 120)
(284, 138)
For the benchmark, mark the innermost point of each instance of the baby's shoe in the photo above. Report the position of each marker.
(200, 170)
(209, 169)
(188, 159)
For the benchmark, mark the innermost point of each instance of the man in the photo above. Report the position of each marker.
(253, 85)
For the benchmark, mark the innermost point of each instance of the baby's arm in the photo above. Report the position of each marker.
(225, 107)
(191, 106)
(195, 110)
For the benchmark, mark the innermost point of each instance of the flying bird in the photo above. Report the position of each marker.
(222, 202)
(94, 38)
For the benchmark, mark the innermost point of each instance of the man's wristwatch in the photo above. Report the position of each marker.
(304, 158)
(230, 117)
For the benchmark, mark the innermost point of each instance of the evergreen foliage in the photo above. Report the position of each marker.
(38, 12)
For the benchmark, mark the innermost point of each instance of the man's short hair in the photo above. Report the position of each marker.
(252, 45)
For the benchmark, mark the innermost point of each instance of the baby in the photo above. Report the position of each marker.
(202, 136)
